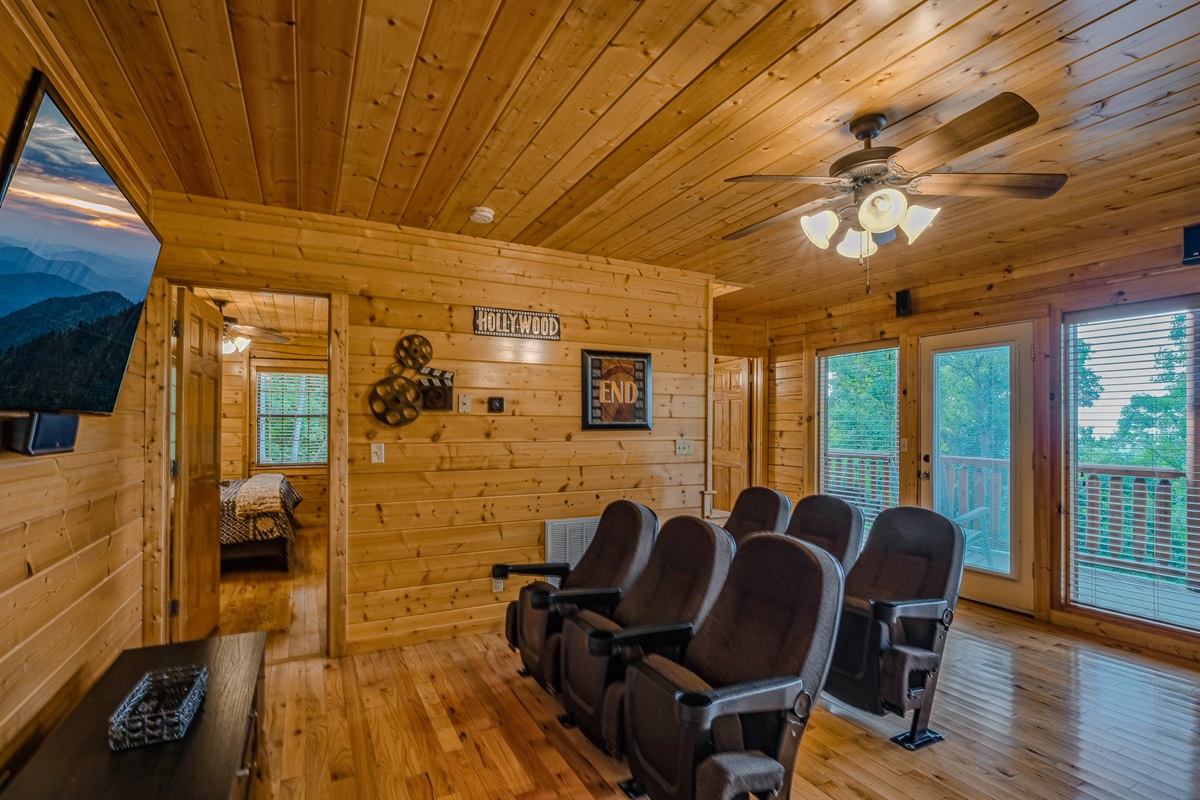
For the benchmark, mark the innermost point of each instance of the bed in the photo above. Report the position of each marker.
(258, 520)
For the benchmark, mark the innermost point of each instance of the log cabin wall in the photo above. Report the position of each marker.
(460, 492)
(1146, 266)
(71, 525)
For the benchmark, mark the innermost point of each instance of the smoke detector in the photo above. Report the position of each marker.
(482, 214)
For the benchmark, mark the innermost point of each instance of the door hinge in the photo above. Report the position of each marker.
(173, 608)
(175, 470)
(176, 328)
(749, 447)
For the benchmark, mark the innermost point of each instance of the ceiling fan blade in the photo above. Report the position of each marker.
(782, 179)
(1026, 185)
(789, 214)
(1004, 114)
(256, 332)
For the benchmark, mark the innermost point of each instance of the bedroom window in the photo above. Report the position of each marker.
(291, 420)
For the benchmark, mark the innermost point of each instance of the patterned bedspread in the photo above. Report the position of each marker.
(257, 527)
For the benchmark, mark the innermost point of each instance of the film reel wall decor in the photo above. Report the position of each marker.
(411, 386)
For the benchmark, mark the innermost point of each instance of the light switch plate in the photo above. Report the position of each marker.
(684, 447)
(377, 453)
(464, 404)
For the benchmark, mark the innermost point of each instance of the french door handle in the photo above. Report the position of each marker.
(923, 474)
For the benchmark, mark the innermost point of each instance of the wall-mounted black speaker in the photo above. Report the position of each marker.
(1191, 244)
(903, 303)
(41, 434)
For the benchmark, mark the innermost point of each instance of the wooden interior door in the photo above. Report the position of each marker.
(731, 429)
(195, 540)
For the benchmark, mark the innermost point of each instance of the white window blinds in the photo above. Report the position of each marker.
(292, 418)
(1132, 436)
(859, 459)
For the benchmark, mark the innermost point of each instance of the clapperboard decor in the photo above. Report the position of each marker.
(437, 389)
(397, 399)
(516, 324)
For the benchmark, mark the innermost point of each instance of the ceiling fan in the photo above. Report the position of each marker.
(869, 185)
(237, 336)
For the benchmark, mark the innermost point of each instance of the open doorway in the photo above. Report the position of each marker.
(273, 416)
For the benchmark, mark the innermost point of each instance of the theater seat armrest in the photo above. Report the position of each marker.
(556, 569)
(602, 643)
(582, 598)
(895, 610)
(699, 709)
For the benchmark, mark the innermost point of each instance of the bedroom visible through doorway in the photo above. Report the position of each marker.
(274, 421)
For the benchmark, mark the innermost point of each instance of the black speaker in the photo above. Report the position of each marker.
(41, 434)
(903, 303)
(1191, 244)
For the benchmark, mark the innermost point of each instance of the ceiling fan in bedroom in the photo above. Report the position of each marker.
(869, 185)
(237, 337)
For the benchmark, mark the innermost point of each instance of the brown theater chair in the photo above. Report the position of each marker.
(831, 523)
(616, 556)
(900, 599)
(687, 569)
(726, 720)
(756, 509)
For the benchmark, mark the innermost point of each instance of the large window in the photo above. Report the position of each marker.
(1132, 437)
(291, 419)
(859, 455)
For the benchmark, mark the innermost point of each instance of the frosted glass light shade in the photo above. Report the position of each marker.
(857, 244)
(228, 348)
(819, 227)
(882, 210)
(241, 343)
(916, 220)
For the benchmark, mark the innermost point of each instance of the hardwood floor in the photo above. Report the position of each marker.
(289, 606)
(1028, 712)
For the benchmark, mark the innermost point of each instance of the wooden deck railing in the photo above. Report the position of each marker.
(1136, 518)
(1133, 518)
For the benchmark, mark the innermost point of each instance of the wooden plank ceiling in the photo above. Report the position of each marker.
(293, 315)
(607, 127)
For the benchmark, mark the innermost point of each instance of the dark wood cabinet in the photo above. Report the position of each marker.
(215, 760)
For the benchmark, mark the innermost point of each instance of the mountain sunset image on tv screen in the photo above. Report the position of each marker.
(75, 264)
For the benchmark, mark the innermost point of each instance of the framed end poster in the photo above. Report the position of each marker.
(616, 391)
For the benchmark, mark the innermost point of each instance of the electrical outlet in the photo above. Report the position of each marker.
(684, 447)
(377, 454)
(497, 585)
(464, 404)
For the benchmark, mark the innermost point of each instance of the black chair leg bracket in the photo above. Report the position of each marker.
(910, 741)
(524, 673)
(567, 721)
(632, 788)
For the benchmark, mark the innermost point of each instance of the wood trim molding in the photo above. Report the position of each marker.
(157, 469)
(339, 473)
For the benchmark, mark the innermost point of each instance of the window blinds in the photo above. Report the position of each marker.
(292, 418)
(1132, 441)
(859, 423)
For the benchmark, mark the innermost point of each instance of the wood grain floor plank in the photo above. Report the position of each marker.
(1030, 712)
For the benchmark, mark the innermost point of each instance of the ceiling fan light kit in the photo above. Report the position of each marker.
(869, 185)
(820, 228)
(234, 344)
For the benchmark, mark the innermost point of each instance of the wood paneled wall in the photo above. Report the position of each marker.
(71, 534)
(71, 525)
(1144, 267)
(460, 492)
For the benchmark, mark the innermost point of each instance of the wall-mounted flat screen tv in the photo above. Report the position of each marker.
(75, 264)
